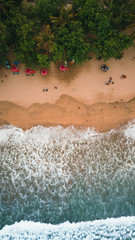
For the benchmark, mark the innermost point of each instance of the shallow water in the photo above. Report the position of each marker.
(53, 175)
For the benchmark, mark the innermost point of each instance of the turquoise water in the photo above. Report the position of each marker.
(54, 175)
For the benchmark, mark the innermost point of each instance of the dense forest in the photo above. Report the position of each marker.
(43, 31)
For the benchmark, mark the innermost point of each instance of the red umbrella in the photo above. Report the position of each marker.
(62, 68)
(28, 71)
(44, 72)
(14, 68)
(32, 72)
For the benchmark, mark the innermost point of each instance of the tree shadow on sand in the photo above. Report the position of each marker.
(70, 74)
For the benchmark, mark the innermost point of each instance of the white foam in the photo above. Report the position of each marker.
(64, 166)
(113, 228)
(40, 133)
(130, 130)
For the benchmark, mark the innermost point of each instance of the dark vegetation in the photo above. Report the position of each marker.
(43, 31)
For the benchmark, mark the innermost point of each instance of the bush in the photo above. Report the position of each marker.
(44, 61)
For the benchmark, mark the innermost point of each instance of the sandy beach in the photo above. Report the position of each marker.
(78, 97)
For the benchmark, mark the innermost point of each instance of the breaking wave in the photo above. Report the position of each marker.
(54, 175)
(119, 228)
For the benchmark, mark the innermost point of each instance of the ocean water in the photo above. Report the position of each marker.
(70, 183)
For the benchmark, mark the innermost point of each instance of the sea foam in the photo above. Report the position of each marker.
(57, 174)
(120, 228)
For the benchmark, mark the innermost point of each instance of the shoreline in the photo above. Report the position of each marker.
(78, 97)
(66, 112)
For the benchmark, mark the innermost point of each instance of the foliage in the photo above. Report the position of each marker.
(44, 60)
(45, 38)
(47, 8)
(65, 16)
(118, 12)
(4, 46)
(111, 45)
(131, 18)
(103, 22)
(17, 2)
(47, 26)
(30, 11)
(69, 43)
(87, 12)
(5, 6)
(24, 46)
(78, 5)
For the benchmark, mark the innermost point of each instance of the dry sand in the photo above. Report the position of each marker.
(81, 98)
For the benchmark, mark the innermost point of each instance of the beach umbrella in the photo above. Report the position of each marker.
(44, 72)
(14, 68)
(62, 68)
(28, 71)
(32, 72)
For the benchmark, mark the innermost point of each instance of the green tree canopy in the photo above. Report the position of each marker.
(65, 17)
(24, 45)
(104, 20)
(69, 43)
(89, 26)
(4, 43)
(45, 38)
(47, 8)
(109, 42)
(111, 45)
(5, 6)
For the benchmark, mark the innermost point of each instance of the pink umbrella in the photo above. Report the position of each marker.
(14, 68)
(62, 68)
(28, 71)
(44, 72)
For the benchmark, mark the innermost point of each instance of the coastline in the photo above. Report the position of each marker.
(68, 111)
(78, 97)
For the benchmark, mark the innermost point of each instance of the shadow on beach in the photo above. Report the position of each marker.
(69, 75)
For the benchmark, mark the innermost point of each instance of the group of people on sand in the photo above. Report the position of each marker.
(104, 68)
(109, 82)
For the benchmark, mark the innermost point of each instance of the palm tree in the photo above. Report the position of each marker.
(45, 38)
(4, 7)
(65, 16)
